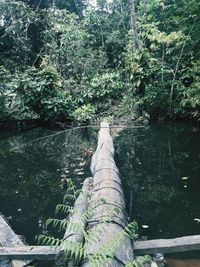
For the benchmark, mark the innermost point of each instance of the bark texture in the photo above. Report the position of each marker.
(76, 218)
(107, 186)
(134, 25)
(9, 239)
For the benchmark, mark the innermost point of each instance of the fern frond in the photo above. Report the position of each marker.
(97, 260)
(109, 249)
(74, 227)
(109, 217)
(77, 193)
(69, 197)
(70, 183)
(73, 250)
(56, 223)
(49, 240)
(92, 209)
(65, 209)
(93, 234)
(140, 261)
(131, 230)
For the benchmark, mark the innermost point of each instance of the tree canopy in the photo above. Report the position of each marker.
(70, 60)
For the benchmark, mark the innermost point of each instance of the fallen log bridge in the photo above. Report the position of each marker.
(104, 185)
(107, 186)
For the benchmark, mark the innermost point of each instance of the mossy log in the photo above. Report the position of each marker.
(107, 186)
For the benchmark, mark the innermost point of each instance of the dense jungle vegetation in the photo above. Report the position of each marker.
(70, 60)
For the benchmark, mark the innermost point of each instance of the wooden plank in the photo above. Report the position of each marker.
(180, 244)
(9, 238)
(28, 253)
(31, 252)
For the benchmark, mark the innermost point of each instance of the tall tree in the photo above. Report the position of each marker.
(134, 26)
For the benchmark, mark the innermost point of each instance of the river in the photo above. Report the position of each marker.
(159, 166)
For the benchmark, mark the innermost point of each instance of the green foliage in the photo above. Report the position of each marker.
(146, 91)
(41, 91)
(49, 241)
(67, 44)
(93, 67)
(140, 261)
(169, 32)
(108, 29)
(191, 92)
(74, 251)
(84, 113)
(16, 18)
(155, 73)
(107, 85)
(10, 102)
(4, 77)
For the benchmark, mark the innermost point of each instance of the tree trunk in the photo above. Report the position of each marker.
(80, 207)
(134, 26)
(107, 186)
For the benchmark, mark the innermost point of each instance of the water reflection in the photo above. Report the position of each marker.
(160, 169)
(33, 173)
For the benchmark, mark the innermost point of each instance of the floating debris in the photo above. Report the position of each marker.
(40, 223)
(78, 170)
(81, 164)
(185, 178)
(80, 173)
(145, 226)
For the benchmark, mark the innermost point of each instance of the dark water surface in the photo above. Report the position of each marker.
(159, 167)
(160, 170)
(32, 175)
